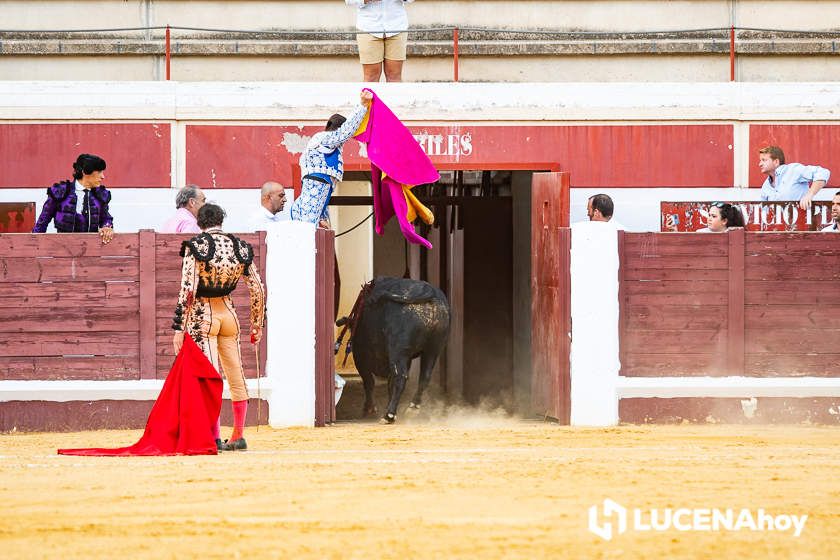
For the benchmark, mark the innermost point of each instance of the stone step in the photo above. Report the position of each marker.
(421, 45)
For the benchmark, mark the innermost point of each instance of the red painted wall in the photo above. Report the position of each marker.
(38, 155)
(596, 156)
(810, 144)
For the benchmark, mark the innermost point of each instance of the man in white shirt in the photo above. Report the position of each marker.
(600, 208)
(384, 40)
(272, 201)
(835, 214)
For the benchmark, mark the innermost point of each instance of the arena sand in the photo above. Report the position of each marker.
(465, 487)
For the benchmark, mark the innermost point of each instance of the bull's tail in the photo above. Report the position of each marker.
(349, 323)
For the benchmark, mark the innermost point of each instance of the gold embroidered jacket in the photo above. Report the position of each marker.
(213, 264)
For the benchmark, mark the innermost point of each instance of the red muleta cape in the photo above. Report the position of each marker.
(182, 417)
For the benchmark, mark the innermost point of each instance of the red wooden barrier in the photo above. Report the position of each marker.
(550, 296)
(324, 327)
(69, 307)
(72, 308)
(167, 267)
(755, 304)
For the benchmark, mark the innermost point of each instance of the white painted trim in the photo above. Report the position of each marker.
(290, 328)
(741, 155)
(538, 102)
(594, 305)
(178, 164)
(69, 391)
(734, 387)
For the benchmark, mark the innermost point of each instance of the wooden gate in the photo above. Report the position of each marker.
(550, 296)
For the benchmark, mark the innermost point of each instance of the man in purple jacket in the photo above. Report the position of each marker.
(79, 205)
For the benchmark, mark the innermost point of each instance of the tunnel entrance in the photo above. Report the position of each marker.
(481, 259)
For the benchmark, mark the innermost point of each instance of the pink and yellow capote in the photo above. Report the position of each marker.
(397, 164)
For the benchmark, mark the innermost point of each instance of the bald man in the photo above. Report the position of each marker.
(272, 202)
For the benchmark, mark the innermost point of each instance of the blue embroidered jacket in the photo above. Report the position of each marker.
(322, 155)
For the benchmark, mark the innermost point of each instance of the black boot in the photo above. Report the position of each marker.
(219, 445)
(235, 445)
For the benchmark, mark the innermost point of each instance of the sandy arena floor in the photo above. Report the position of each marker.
(465, 488)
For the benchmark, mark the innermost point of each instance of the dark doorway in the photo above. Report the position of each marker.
(481, 259)
(488, 300)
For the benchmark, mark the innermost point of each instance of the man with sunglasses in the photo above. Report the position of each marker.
(789, 181)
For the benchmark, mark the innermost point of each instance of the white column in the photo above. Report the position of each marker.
(290, 364)
(595, 351)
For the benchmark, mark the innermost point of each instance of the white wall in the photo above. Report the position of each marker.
(136, 209)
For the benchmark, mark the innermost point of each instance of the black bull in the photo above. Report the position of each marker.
(393, 321)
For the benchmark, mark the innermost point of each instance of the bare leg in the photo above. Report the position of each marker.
(393, 70)
(372, 72)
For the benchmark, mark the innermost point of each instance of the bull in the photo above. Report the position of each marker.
(393, 321)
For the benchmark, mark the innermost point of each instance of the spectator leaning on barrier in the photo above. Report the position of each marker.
(272, 202)
(789, 181)
(384, 40)
(835, 214)
(79, 205)
(188, 202)
(722, 217)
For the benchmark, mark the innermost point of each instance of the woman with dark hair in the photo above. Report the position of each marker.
(322, 164)
(722, 217)
(213, 263)
(79, 205)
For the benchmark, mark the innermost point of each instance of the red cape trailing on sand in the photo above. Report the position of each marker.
(181, 420)
(398, 164)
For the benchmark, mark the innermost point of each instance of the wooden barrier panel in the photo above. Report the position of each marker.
(741, 303)
(674, 307)
(324, 327)
(792, 300)
(167, 282)
(73, 308)
(69, 307)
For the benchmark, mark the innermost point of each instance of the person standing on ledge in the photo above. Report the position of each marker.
(384, 40)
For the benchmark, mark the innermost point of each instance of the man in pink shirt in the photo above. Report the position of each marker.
(188, 201)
